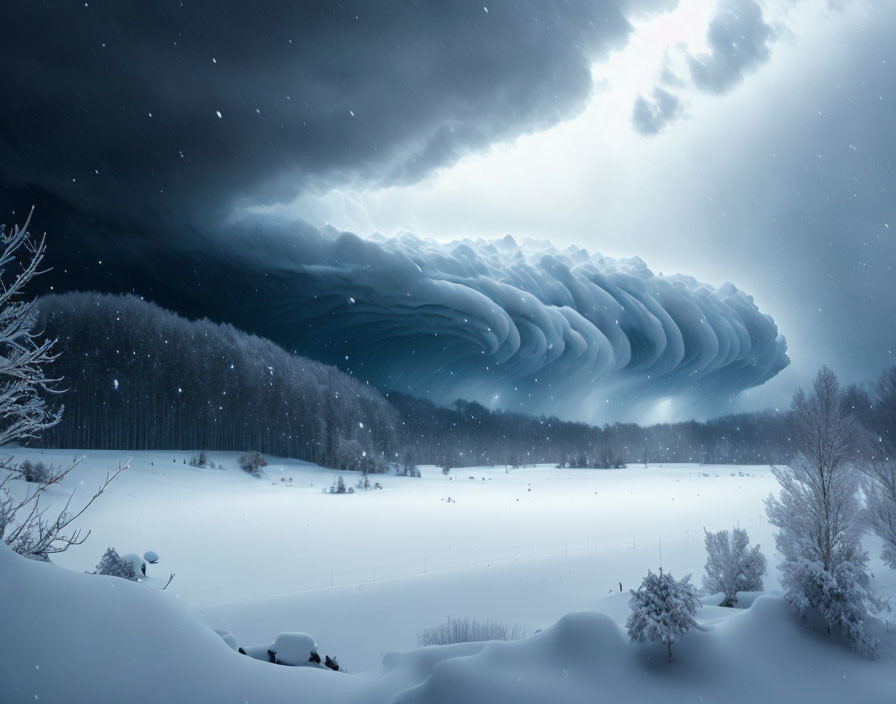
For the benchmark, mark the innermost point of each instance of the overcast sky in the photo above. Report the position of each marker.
(727, 140)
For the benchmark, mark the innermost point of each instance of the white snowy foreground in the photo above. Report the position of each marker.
(545, 559)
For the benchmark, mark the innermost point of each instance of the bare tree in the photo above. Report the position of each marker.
(26, 524)
(28, 527)
(24, 412)
(820, 518)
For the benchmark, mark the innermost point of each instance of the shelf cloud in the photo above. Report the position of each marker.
(513, 325)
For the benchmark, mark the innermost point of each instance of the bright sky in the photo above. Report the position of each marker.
(596, 182)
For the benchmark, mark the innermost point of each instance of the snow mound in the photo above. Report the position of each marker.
(65, 642)
(293, 648)
(227, 637)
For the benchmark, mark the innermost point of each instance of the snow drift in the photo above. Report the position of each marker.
(71, 637)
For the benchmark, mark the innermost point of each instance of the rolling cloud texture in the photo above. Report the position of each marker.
(138, 128)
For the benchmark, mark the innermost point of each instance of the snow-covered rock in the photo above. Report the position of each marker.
(293, 648)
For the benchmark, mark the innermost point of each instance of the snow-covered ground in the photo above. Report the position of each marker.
(364, 573)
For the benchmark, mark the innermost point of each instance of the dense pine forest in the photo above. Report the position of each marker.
(140, 377)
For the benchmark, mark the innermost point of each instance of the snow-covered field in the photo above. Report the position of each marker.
(365, 572)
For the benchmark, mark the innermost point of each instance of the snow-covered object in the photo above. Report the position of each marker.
(821, 520)
(113, 565)
(138, 563)
(758, 654)
(227, 637)
(293, 648)
(731, 565)
(151, 557)
(663, 608)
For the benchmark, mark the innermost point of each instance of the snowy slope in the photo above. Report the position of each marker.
(527, 547)
(74, 637)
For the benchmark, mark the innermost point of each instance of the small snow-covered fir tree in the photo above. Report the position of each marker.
(663, 608)
(821, 520)
(113, 565)
(731, 565)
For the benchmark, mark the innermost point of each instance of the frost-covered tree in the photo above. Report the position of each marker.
(880, 498)
(879, 486)
(252, 462)
(663, 608)
(24, 383)
(26, 525)
(820, 517)
(114, 565)
(732, 566)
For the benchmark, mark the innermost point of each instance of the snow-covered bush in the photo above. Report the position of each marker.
(37, 472)
(252, 462)
(114, 565)
(200, 461)
(731, 565)
(338, 487)
(456, 630)
(663, 608)
(820, 519)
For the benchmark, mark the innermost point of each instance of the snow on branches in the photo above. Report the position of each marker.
(663, 608)
(731, 565)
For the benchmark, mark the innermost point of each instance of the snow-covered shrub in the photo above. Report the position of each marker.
(201, 461)
(663, 608)
(338, 487)
(252, 462)
(731, 565)
(151, 557)
(115, 566)
(456, 630)
(37, 472)
(820, 519)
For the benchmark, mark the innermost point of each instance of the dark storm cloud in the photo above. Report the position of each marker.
(651, 116)
(169, 109)
(515, 326)
(738, 39)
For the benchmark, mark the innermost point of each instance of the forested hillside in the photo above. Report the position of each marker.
(140, 377)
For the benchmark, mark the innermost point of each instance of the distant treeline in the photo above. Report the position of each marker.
(140, 377)
(469, 434)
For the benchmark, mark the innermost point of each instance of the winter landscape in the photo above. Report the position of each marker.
(424, 352)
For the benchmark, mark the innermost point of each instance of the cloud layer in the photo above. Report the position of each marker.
(152, 110)
(515, 326)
